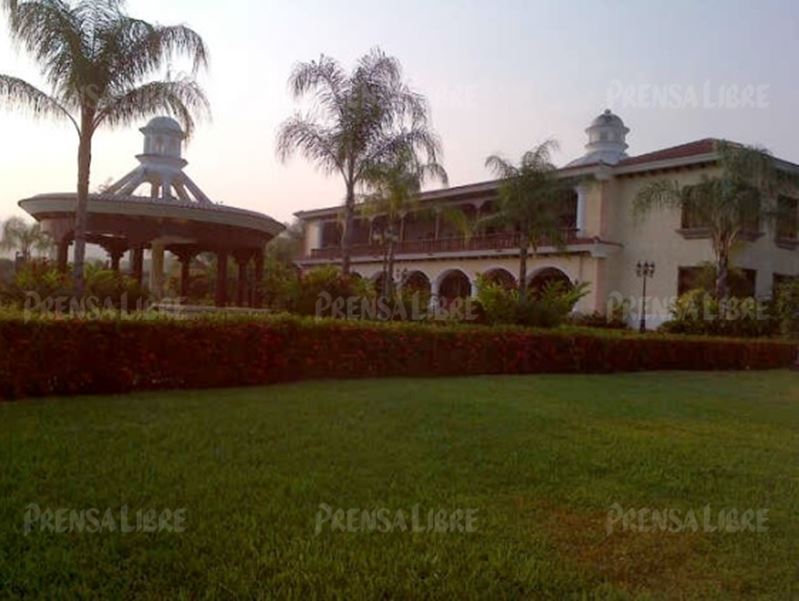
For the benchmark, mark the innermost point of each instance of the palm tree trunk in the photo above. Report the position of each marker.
(390, 268)
(523, 249)
(722, 276)
(349, 220)
(81, 208)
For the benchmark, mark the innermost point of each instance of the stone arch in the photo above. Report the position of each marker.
(452, 284)
(500, 275)
(377, 281)
(417, 281)
(544, 276)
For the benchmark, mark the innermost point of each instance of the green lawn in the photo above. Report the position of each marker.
(541, 459)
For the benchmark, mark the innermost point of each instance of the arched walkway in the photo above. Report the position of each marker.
(501, 276)
(547, 276)
(453, 284)
(416, 281)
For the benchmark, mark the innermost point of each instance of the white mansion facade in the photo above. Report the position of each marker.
(605, 244)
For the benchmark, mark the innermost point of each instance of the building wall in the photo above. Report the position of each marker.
(608, 215)
(655, 238)
(578, 268)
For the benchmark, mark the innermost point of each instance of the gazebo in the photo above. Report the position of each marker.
(175, 216)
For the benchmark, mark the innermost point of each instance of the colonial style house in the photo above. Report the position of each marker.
(605, 244)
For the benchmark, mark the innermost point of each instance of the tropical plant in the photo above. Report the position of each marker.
(18, 235)
(728, 205)
(96, 58)
(358, 120)
(530, 201)
(394, 189)
(786, 307)
(329, 280)
(699, 312)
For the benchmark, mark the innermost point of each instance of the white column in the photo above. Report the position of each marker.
(582, 201)
(157, 270)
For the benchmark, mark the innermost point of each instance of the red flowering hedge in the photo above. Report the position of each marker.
(51, 357)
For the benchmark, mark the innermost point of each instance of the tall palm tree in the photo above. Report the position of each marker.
(24, 238)
(95, 59)
(728, 205)
(394, 189)
(358, 120)
(531, 201)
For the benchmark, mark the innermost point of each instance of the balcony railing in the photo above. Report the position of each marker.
(505, 241)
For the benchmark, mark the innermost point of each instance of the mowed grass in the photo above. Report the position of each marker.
(541, 459)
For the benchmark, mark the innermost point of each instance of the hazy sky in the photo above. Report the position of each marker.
(501, 76)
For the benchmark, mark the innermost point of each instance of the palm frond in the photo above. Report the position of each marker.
(501, 167)
(314, 141)
(182, 99)
(18, 94)
(659, 194)
(134, 49)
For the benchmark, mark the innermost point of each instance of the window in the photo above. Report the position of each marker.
(741, 281)
(787, 218)
(331, 234)
(779, 279)
(694, 219)
(568, 216)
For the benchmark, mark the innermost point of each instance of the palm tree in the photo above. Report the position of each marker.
(96, 58)
(394, 192)
(728, 205)
(531, 199)
(358, 121)
(26, 239)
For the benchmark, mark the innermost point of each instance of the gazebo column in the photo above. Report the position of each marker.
(258, 280)
(63, 255)
(137, 263)
(221, 278)
(115, 248)
(157, 269)
(243, 261)
(116, 256)
(185, 255)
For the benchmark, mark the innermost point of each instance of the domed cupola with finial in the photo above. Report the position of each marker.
(161, 166)
(607, 141)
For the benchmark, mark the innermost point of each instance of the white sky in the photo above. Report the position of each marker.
(501, 76)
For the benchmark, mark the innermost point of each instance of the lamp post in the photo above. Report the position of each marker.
(644, 270)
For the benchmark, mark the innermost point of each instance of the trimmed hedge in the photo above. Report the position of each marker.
(49, 357)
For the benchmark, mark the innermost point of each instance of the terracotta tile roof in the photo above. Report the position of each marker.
(697, 147)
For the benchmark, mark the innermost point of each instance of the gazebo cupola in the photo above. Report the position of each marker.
(607, 141)
(161, 166)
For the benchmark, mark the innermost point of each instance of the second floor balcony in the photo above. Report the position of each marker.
(491, 244)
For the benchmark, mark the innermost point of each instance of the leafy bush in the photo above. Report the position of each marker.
(551, 306)
(110, 356)
(40, 287)
(612, 321)
(311, 285)
(499, 304)
(36, 282)
(547, 309)
(280, 284)
(698, 312)
(786, 308)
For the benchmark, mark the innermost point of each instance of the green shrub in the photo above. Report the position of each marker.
(499, 304)
(786, 308)
(73, 356)
(35, 283)
(549, 308)
(40, 288)
(611, 321)
(310, 287)
(697, 312)
(280, 283)
(552, 306)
